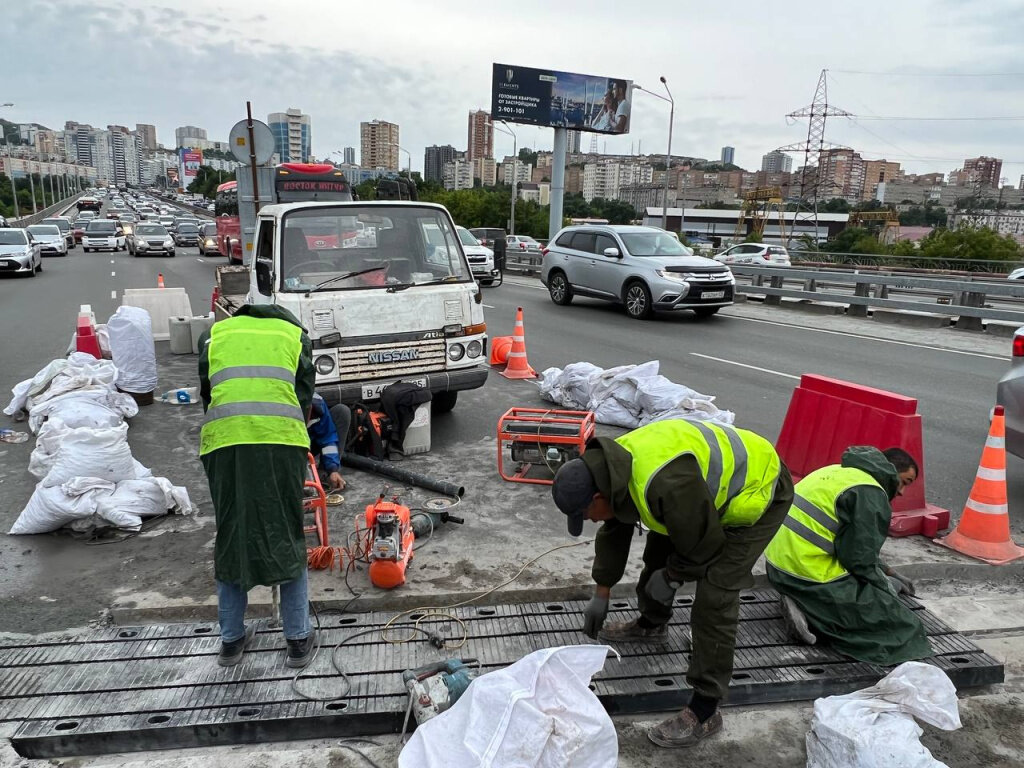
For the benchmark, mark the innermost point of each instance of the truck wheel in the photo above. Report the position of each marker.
(442, 402)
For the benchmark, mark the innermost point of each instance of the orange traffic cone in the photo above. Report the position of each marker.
(160, 280)
(500, 346)
(518, 367)
(984, 528)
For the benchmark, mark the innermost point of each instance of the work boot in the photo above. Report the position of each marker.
(796, 622)
(684, 729)
(632, 632)
(300, 652)
(231, 653)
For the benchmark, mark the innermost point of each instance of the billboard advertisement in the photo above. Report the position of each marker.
(560, 99)
(189, 161)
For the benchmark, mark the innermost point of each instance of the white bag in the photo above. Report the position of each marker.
(86, 452)
(132, 349)
(875, 728)
(34, 386)
(536, 713)
(134, 500)
(51, 508)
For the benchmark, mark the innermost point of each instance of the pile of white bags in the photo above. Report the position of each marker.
(536, 713)
(875, 728)
(628, 396)
(130, 330)
(87, 476)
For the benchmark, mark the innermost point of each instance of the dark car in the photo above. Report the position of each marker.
(488, 235)
(89, 204)
(186, 233)
(208, 240)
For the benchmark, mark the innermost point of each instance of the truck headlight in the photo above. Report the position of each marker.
(324, 364)
(456, 352)
(474, 348)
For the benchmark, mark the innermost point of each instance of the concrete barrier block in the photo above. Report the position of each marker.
(910, 318)
(162, 304)
(1001, 329)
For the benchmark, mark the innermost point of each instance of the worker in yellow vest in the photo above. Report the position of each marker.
(825, 562)
(256, 381)
(711, 498)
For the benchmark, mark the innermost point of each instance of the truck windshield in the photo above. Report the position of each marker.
(357, 247)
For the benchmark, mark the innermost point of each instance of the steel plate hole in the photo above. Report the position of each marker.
(741, 676)
(620, 605)
(67, 725)
(747, 598)
(485, 611)
(127, 633)
(157, 719)
(336, 705)
(664, 682)
(248, 712)
(960, 660)
(347, 620)
(554, 607)
(684, 601)
(328, 589)
(415, 616)
(201, 631)
(815, 671)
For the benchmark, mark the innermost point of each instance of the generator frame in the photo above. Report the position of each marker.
(538, 426)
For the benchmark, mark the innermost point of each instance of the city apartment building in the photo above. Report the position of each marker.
(777, 162)
(293, 135)
(434, 159)
(378, 145)
(479, 136)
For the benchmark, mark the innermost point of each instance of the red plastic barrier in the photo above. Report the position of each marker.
(86, 339)
(826, 416)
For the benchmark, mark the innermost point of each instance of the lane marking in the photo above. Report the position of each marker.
(200, 261)
(113, 274)
(870, 338)
(745, 365)
(113, 294)
(488, 306)
(111, 261)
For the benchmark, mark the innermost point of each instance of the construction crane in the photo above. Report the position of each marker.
(890, 231)
(757, 204)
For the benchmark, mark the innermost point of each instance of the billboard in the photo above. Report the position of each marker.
(189, 161)
(560, 99)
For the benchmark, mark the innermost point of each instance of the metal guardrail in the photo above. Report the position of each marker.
(35, 218)
(966, 299)
(889, 261)
(523, 263)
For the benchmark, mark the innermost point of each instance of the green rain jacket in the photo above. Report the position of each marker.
(257, 489)
(858, 614)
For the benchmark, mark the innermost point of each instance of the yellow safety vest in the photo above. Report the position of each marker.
(252, 385)
(805, 547)
(739, 466)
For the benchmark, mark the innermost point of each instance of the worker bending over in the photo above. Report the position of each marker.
(324, 442)
(712, 498)
(825, 560)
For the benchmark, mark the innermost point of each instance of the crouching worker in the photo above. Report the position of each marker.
(825, 560)
(711, 498)
(324, 443)
(256, 380)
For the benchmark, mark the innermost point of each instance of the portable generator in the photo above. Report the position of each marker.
(541, 441)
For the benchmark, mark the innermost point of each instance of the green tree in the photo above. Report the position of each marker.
(968, 243)
(207, 180)
(854, 240)
(835, 205)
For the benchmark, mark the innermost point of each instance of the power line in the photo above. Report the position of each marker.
(987, 119)
(928, 74)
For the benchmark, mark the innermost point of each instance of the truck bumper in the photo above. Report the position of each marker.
(454, 381)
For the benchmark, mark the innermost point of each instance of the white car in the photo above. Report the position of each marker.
(481, 258)
(103, 234)
(19, 252)
(523, 243)
(755, 254)
(1017, 274)
(51, 240)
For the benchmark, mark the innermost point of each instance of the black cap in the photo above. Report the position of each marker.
(573, 490)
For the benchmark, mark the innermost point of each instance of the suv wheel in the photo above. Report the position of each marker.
(638, 301)
(559, 288)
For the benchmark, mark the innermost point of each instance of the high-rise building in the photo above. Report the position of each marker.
(728, 153)
(458, 174)
(878, 172)
(146, 134)
(574, 141)
(434, 160)
(293, 136)
(124, 157)
(840, 174)
(350, 155)
(378, 145)
(983, 171)
(186, 133)
(485, 169)
(776, 162)
(480, 136)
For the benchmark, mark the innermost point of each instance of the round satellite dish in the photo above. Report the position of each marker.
(263, 139)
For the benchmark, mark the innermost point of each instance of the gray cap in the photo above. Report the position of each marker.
(573, 490)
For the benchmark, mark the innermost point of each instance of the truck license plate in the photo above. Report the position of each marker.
(713, 295)
(372, 391)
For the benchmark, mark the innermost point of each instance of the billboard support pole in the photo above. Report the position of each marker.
(558, 181)
(252, 157)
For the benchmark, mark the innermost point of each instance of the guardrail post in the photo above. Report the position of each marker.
(881, 291)
(774, 300)
(811, 285)
(859, 310)
(970, 299)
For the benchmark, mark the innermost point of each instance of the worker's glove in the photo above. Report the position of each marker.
(900, 584)
(594, 615)
(660, 588)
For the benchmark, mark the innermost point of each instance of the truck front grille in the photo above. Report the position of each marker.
(356, 363)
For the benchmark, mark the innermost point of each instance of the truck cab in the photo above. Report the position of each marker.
(384, 290)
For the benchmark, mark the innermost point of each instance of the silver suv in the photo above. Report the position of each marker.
(1010, 395)
(642, 268)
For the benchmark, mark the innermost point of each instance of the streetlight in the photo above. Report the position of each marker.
(668, 152)
(408, 155)
(507, 130)
(10, 168)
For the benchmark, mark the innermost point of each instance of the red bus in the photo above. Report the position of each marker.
(292, 183)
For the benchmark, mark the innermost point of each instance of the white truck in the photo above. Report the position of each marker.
(383, 288)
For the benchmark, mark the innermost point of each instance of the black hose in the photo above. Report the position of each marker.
(367, 464)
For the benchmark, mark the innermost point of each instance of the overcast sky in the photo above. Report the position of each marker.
(735, 69)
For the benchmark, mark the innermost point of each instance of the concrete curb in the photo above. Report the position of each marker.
(906, 317)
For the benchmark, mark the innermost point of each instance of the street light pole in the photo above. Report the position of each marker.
(668, 153)
(10, 167)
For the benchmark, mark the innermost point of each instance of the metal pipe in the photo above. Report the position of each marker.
(387, 469)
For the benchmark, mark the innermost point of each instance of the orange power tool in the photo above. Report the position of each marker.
(391, 542)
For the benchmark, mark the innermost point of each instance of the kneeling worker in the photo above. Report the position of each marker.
(324, 443)
(712, 498)
(825, 560)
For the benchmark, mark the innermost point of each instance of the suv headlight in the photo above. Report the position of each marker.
(168, 243)
(324, 364)
(675, 277)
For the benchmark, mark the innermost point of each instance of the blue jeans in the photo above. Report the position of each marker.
(232, 602)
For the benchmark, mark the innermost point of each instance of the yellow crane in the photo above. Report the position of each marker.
(890, 231)
(757, 204)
